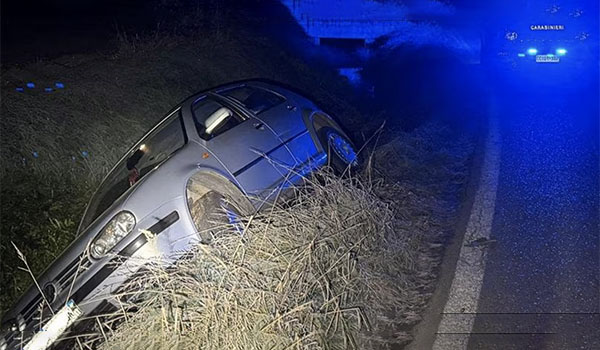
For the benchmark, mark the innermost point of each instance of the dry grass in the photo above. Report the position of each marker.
(317, 273)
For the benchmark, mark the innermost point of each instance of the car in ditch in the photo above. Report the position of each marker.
(233, 149)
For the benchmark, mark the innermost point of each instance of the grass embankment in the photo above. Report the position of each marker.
(349, 261)
(56, 146)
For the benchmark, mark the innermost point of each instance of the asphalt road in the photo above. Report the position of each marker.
(541, 286)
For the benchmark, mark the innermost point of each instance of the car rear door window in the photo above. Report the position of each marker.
(253, 98)
(212, 118)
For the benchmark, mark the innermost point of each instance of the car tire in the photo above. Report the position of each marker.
(214, 214)
(341, 153)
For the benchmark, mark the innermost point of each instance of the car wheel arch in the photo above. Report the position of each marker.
(318, 120)
(204, 181)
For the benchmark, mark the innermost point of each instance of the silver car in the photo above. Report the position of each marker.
(237, 147)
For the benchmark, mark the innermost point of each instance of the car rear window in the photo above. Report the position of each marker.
(253, 98)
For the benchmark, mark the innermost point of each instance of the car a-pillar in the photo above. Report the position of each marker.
(215, 202)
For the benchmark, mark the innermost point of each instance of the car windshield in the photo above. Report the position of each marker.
(148, 153)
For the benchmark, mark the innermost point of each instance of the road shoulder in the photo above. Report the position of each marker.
(424, 333)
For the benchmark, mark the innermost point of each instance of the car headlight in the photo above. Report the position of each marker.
(532, 51)
(116, 229)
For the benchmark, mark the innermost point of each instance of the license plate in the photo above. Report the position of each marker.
(56, 326)
(547, 59)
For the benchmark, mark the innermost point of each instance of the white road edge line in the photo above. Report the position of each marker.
(459, 313)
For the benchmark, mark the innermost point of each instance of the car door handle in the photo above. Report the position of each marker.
(291, 108)
(259, 126)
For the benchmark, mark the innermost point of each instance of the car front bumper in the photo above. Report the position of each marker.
(91, 285)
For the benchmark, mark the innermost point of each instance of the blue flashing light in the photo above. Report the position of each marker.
(521, 54)
(532, 51)
(561, 52)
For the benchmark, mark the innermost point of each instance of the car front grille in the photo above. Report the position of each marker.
(36, 312)
(68, 274)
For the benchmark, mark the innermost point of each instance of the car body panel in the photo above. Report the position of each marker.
(241, 154)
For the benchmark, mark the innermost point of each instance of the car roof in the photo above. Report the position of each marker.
(216, 89)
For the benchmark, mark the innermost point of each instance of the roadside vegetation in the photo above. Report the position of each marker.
(350, 263)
